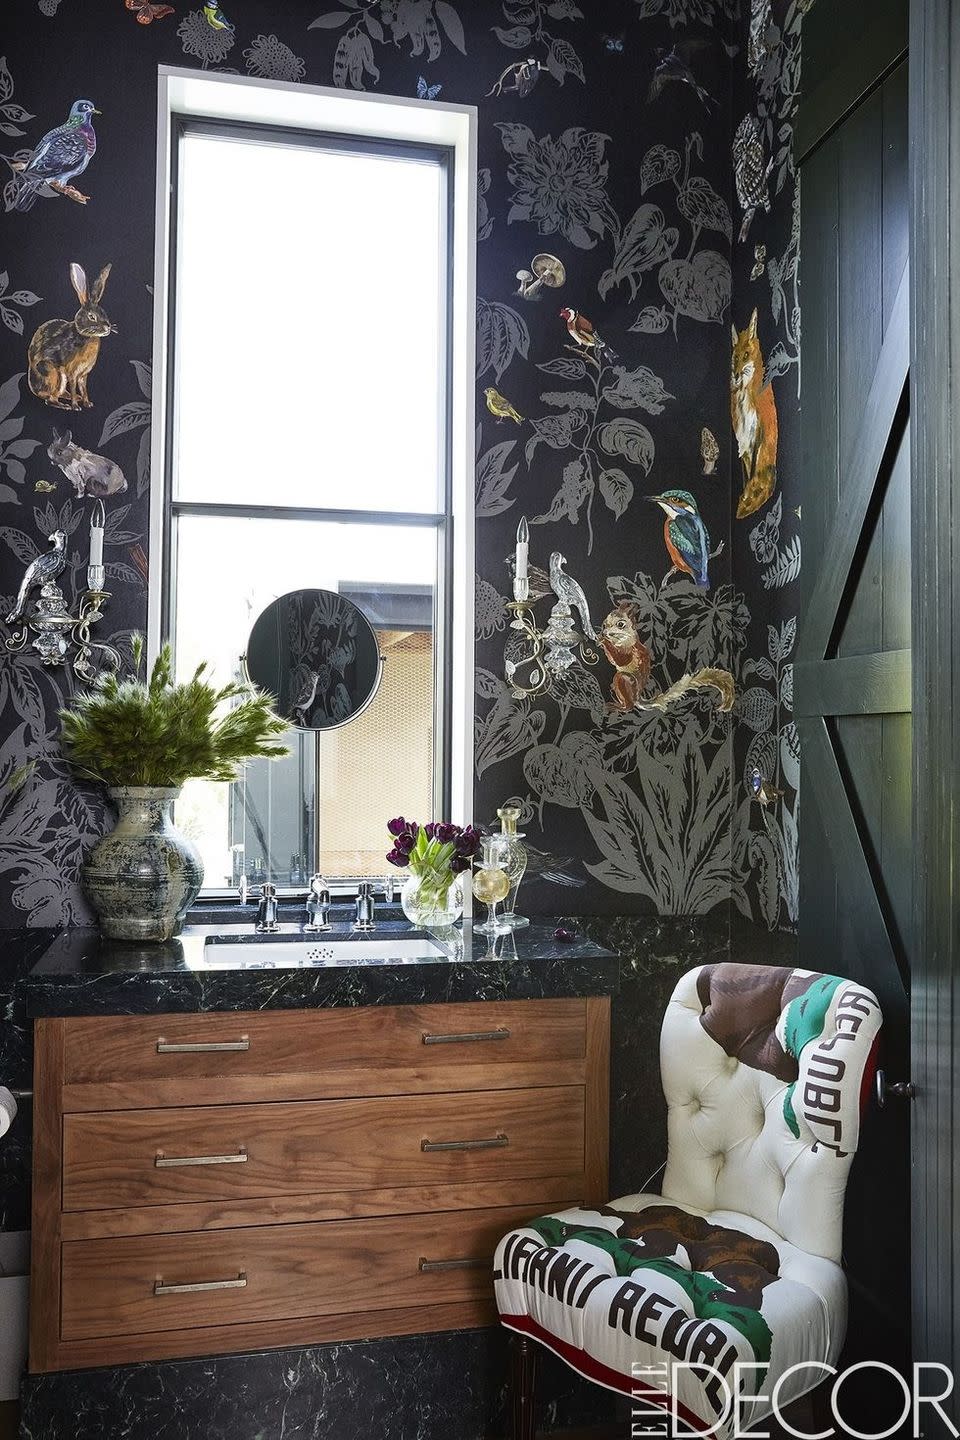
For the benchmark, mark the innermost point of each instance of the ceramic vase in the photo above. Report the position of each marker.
(143, 876)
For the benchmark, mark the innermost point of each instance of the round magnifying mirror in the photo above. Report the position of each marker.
(317, 654)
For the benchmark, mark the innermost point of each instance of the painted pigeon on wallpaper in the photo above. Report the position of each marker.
(583, 334)
(62, 155)
(685, 536)
(570, 593)
(41, 571)
(673, 65)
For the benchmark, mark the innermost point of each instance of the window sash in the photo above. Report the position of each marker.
(439, 520)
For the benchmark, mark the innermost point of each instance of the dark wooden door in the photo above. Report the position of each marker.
(852, 676)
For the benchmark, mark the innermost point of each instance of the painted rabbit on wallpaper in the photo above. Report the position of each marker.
(88, 473)
(63, 352)
(753, 411)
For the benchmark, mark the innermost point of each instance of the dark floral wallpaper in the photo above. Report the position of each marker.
(645, 146)
(767, 544)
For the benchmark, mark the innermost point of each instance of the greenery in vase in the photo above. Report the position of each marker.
(436, 852)
(161, 732)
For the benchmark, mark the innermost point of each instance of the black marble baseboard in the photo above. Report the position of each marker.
(413, 1387)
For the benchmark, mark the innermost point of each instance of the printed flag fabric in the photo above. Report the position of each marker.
(729, 1283)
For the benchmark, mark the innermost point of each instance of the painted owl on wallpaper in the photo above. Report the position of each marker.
(753, 411)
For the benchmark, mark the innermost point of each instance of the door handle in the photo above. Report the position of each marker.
(899, 1090)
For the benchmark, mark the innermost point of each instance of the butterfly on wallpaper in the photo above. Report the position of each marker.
(613, 44)
(147, 12)
(427, 92)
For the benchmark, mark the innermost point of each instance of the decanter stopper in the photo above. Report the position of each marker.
(515, 864)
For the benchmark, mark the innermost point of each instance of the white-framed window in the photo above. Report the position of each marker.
(313, 429)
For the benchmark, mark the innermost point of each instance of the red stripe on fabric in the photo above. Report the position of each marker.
(869, 1075)
(595, 1370)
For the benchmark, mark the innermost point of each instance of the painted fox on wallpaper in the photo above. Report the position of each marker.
(753, 411)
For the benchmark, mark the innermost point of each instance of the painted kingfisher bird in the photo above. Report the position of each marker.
(685, 536)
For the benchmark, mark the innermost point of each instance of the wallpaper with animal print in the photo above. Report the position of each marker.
(613, 157)
(767, 539)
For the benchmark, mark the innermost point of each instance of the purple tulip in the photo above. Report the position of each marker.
(405, 842)
(431, 829)
(468, 841)
(397, 826)
(396, 857)
(459, 863)
(445, 832)
(563, 935)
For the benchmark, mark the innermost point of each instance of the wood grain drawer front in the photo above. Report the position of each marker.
(169, 1047)
(133, 1286)
(230, 1152)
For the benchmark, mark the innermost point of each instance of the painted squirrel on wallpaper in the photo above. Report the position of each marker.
(632, 662)
(630, 658)
(753, 411)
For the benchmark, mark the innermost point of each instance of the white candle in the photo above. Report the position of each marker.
(523, 549)
(96, 534)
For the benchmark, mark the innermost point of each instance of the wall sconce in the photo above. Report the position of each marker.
(56, 630)
(548, 653)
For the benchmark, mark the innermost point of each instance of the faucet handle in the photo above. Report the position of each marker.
(318, 904)
(389, 889)
(365, 906)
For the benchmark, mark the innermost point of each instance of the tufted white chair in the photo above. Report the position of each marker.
(765, 1071)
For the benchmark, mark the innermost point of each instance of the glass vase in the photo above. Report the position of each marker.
(430, 904)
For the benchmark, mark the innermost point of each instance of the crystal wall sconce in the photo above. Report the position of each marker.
(534, 658)
(56, 630)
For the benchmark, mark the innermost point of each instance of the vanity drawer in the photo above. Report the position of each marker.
(130, 1286)
(154, 1157)
(336, 1051)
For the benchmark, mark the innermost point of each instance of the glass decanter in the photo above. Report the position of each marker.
(515, 864)
(491, 884)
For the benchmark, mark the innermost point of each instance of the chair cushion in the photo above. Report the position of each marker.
(647, 1282)
(765, 1070)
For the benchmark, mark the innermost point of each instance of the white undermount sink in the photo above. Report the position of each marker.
(268, 954)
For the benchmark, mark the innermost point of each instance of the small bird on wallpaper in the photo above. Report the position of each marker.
(762, 789)
(673, 67)
(41, 571)
(63, 352)
(500, 407)
(44, 487)
(146, 12)
(570, 593)
(62, 155)
(585, 336)
(216, 18)
(518, 79)
(613, 44)
(686, 537)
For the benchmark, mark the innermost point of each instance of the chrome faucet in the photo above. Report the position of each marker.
(318, 905)
(267, 909)
(365, 907)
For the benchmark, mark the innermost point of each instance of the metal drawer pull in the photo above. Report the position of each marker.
(499, 1142)
(165, 1047)
(468, 1037)
(427, 1265)
(238, 1284)
(166, 1162)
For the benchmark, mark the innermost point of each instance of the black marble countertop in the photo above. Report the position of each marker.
(223, 967)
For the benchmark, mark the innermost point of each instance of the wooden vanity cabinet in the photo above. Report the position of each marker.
(222, 1182)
